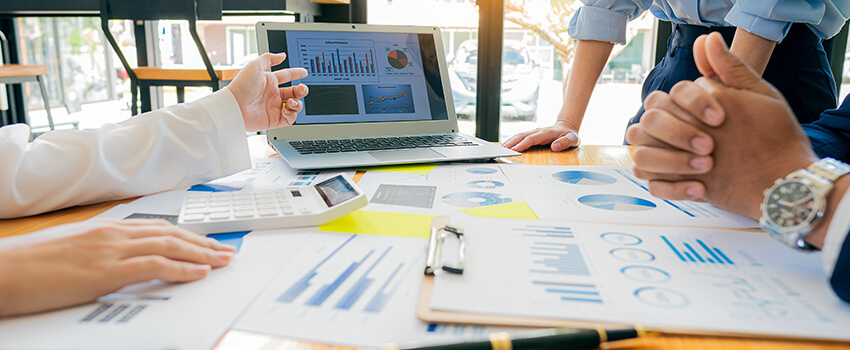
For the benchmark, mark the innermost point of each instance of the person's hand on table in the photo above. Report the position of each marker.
(561, 136)
(725, 137)
(107, 256)
(259, 97)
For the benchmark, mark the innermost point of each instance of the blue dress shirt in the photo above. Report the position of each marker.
(605, 20)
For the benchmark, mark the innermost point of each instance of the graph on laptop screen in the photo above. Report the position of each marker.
(364, 77)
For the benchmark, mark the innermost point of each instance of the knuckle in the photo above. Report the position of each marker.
(654, 99)
(171, 245)
(634, 135)
(156, 263)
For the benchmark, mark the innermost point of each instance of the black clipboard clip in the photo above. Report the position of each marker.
(434, 261)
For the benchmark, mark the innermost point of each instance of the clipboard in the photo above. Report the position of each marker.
(425, 313)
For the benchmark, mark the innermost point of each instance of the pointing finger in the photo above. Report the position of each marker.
(289, 74)
(267, 60)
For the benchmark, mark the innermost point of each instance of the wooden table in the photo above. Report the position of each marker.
(584, 155)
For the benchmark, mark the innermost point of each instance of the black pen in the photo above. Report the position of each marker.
(561, 339)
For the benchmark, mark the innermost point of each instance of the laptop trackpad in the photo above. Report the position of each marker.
(410, 154)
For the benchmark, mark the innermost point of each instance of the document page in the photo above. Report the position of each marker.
(159, 315)
(355, 290)
(438, 190)
(609, 194)
(678, 278)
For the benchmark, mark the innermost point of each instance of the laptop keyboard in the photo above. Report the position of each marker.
(379, 143)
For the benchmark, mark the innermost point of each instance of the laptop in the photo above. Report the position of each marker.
(378, 95)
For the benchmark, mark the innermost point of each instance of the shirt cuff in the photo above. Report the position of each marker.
(225, 113)
(765, 28)
(839, 226)
(599, 24)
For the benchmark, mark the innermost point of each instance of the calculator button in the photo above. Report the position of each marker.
(288, 211)
(220, 204)
(305, 210)
(243, 207)
(267, 206)
(196, 211)
(267, 212)
(193, 217)
(219, 216)
(243, 214)
(243, 197)
(243, 202)
(265, 200)
(217, 209)
(196, 205)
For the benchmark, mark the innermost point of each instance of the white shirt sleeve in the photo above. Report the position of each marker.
(836, 233)
(162, 150)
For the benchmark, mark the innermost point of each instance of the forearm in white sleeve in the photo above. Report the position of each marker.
(157, 151)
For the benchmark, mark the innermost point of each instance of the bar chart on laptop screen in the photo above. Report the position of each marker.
(338, 60)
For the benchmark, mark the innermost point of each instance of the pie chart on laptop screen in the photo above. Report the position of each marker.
(584, 178)
(616, 202)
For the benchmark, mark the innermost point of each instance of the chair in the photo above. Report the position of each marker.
(146, 77)
(19, 74)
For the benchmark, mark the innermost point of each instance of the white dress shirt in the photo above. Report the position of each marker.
(157, 151)
(605, 20)
(836, 233)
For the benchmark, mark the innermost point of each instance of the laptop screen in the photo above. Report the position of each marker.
(359, 77)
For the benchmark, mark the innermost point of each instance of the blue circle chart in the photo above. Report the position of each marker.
(485, 184)
(481, 171)
(621, 238)
(662, 297)
(645, 274)
(584, 178)
(616, 202)
(475, 199)
(631, 254)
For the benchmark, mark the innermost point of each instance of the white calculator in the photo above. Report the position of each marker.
(218, 212)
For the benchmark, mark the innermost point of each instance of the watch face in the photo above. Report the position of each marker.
(790, 204)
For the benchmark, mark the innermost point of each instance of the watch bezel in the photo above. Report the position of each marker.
(793, 235)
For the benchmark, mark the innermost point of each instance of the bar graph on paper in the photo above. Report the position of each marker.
(557, 266)
(697, 251)
(350, 277)
(332, 60)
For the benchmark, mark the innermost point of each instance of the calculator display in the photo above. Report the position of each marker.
(335, 190)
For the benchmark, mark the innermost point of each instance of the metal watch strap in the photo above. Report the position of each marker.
(829, 168)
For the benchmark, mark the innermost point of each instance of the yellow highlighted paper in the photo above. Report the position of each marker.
(421, 169)
(512, 210)
(378, 223)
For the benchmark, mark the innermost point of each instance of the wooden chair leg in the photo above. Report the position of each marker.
(41, 86)
(181, 94)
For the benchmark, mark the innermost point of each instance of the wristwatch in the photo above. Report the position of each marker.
(794, 204)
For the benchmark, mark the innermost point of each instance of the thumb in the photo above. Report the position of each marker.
(730, 69)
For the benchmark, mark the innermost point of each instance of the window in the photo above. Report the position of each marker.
(83, 78)
(536, 65)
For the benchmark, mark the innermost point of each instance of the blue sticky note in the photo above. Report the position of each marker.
(230, 238)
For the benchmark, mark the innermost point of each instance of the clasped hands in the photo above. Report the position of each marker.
(723, 138)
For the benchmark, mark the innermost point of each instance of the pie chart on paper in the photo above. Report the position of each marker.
(584, 178)
(616, 202)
